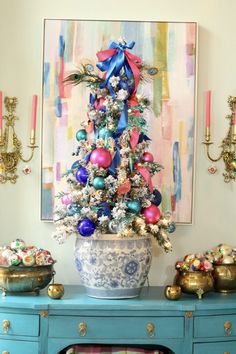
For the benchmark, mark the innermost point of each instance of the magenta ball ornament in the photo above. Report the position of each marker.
(66, 199)
(151, 214)
(101, 157)
(147, 157)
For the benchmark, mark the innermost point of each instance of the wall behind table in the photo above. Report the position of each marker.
(21, 23)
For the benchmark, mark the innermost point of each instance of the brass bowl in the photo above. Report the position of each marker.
(224, 277)
(25, 279)
(55, 291)
(197, 282)
(173, 292)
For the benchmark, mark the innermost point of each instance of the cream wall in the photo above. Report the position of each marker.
(20, 76)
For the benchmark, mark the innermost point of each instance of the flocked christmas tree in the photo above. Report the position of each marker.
(110, 182)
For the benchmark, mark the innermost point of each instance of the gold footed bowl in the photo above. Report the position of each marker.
(197, 282)
(224, 278)
(55, 291)
(25, 279)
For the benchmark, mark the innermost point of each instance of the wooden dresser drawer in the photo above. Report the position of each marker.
(116, 327)
(18, 347)
(215, 326)
(20, 325)
(215, 348)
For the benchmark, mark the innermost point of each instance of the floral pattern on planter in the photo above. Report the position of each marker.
(113, 267)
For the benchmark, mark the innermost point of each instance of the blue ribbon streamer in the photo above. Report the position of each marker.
(114, 64)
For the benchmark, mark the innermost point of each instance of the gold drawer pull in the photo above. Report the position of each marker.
(150, 329)
(5, 326)
(228, 328)
(4, 352)
(83, 329)
(226, 352)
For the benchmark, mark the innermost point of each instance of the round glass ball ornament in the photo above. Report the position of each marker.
(147, 157)
(81, 175)
(101, 157)
(99, 182)
(157, 197)
(171, 228)
(73, 208)
(104, 133)
(66, 199)
(81, 135)
(151, 214)
(86, 227)
(134, 206)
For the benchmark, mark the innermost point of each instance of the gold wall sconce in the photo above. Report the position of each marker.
(10, 145)
(228, 144)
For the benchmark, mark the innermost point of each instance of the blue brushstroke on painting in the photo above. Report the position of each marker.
(133, 31)
(58, 106)
(190, 144)
(61, 46)
(46, 79)
(171, 49)
(47, 204)
(177, 178)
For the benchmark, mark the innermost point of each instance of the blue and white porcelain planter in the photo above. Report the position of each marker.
(111, 267)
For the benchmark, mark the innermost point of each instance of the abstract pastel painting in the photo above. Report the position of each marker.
(169, 46)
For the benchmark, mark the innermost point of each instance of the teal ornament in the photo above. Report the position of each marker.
(99, 182)
(73, 208)
(104, 133)
(171, 228)
(134, 206)
(81, 134)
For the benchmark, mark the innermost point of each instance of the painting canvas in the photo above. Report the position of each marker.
(169, 46)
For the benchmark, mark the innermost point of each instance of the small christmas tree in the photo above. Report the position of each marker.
(110, 183)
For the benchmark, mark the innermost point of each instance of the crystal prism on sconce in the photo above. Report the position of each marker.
(10, 145)
(228, 144)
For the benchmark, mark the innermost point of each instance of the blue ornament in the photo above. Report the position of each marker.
(75, 165)
(104, 210)
(134, 206)
(171, 228)
(73, 208)
(82, 175)
(156, 199)
(86, 227)
(99, 182)
(104, 133)
(81, 134)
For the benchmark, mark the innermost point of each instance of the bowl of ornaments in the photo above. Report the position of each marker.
(223, 258)
(194, 274)
(24, 268)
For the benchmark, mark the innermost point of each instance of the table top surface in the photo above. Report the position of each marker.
(151, 298)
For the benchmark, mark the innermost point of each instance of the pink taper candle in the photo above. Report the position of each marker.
(0, 110)
(208, 109)
(34, 112)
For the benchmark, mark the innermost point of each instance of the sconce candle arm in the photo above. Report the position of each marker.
(32, 147)
(208, 152)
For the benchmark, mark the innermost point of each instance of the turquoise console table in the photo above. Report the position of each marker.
(39, 325)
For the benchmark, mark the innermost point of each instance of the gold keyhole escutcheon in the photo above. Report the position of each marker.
(5, 325)
(150, 329)
(82, 329)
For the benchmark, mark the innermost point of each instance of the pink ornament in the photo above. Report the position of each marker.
(147, 157)
(101, 157)
(66, 199)
(151, 214)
